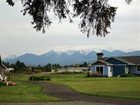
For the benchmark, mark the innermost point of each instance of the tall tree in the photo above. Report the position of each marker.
(96, 15)
(18, 66)
(48, 67)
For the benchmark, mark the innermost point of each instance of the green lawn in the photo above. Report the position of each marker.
(23, 92)
(109, 87)
(127, 87)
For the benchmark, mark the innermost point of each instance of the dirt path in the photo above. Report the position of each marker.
(64, 92)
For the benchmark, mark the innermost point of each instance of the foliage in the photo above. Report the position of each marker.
(10, 2)
(39, 78)
(56, 66)
(19, 66)
(127, 75)
(96, 75)
(67, 72)
(2, 84)
(6, 64)
(48, 67)
(83, 65)
(96, 15)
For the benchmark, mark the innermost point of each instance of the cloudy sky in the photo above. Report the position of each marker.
(18, 37)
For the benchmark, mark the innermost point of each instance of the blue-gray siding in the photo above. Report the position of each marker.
(118, 70)
(115, 61)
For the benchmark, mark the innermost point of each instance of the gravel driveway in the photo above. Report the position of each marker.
(65, 92)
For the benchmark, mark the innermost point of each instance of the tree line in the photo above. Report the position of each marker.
(22, 67)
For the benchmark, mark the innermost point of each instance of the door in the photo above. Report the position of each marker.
(99, 70)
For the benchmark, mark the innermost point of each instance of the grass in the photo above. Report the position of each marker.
(23, 92)
(127, 87)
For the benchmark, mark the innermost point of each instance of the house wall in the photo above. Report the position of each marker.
(119, 67)
(106, 70)
(119, 70)
(133, 69)
(93, 68)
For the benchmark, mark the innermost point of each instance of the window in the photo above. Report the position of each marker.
(99, 70)
(138, 68)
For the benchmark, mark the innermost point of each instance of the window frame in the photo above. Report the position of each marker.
(138, 68)
(100, 66)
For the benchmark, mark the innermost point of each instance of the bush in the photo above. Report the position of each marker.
(2, 84)
(67, 72)
(127, 75)
(39, 78)
(97, 75)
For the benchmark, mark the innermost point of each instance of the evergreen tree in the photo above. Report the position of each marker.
(48, 67)
(19, 66)
(96, 15)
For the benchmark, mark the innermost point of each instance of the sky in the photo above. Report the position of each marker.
(18, 37)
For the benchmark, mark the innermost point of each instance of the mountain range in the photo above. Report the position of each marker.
(66, 57)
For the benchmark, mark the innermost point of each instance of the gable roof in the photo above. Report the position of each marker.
(130, 60)
(103, 61)
(121, 61)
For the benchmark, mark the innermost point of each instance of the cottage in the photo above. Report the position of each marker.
(114, 66)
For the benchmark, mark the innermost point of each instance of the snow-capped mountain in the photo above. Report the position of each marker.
(66, 57)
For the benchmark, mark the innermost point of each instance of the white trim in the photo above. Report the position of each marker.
(110, 71)
(102, 62)
(137, 68)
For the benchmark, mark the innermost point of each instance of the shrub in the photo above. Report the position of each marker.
(96, 75)
(67, 72)
(39, 78)
(127, 75)
(2, 84)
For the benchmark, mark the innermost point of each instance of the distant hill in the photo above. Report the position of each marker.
(67, 57)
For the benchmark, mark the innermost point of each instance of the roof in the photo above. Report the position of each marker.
(130, 60)
(103, 61)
